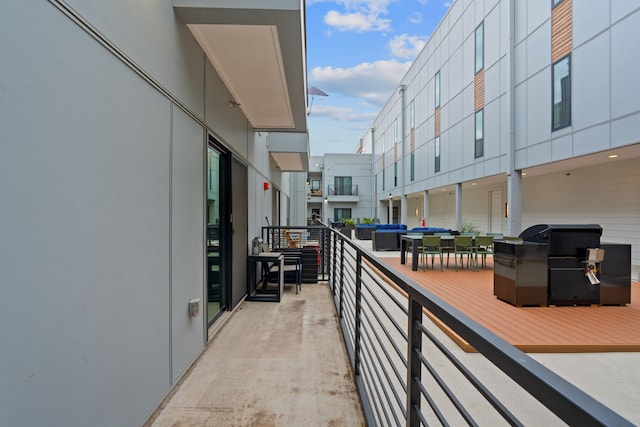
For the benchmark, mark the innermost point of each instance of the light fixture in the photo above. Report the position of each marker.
(233, 104)
(389, 196)
(613, 156)
(417, 212)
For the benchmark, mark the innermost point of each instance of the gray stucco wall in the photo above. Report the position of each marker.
(102, 209)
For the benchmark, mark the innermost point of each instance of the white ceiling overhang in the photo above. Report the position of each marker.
(258, 47)
(289, 150)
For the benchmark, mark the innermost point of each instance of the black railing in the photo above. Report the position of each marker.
(409, 372)
(345, 190)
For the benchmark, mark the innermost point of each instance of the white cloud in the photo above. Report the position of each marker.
(342, 114)
(356, 22)
(373, 82)
(406, 46)
(359, 15)
(448, 4)
(415, 18)
(423, 1)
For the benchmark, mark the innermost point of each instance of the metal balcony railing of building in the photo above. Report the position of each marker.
(407, 369)
(349, 190)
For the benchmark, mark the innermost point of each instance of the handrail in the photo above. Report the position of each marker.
(405, 379)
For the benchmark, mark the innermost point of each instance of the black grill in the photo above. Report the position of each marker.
(553, 265)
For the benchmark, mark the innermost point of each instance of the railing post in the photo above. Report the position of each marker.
(356, 349)
(414, 366)
(334, 257)
(341, 277)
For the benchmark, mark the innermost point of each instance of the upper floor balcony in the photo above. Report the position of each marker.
(367, 344)
(342, 193)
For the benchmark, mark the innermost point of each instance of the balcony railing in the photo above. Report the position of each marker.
(342, 190)
(406, 370)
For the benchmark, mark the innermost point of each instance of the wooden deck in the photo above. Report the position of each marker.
(553, 329)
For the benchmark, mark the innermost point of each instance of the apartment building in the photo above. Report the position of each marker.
(339, 187)
(139, 155)
(517, 113)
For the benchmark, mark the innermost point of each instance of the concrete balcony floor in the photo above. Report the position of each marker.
(270, 364)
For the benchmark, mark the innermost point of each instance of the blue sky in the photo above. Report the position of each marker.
(357, 52)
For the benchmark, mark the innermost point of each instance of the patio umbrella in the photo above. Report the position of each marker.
(314, 91)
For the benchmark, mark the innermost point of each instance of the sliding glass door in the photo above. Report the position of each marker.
(216, 292)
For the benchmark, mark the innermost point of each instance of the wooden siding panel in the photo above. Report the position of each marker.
(478, 84)
(561, 30)
(437, 123)
(413, 140)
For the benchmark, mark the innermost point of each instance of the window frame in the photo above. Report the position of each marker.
(436, 163)
(413, 167)
(412, 114)
(475, 48)
(555, 127)
(437, 92)
(341, 218)
(479, 142)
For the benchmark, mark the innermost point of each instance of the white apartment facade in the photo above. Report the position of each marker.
(339, 186)
(518, 112)
(142, 146)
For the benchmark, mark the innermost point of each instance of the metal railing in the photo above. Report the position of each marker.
(409, 372)
(350, 190)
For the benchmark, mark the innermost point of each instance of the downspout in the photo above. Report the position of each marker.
(514, 177)
(403, 194)
(373, 173)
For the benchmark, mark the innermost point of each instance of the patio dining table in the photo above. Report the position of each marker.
(415, 242)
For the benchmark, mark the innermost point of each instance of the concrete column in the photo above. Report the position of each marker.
(514, 203)
(459, 205)
(404, 208)
(425, 206)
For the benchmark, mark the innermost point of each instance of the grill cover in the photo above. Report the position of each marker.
(564, 239)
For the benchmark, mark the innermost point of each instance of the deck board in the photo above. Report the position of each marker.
(552, 329)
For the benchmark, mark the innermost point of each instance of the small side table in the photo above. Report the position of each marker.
(266, 263)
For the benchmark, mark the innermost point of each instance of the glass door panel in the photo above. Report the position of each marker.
(215, 244)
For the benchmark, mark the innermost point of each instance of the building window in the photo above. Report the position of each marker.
(412, 115)
(395, 131)
(437, 160)
(562, 93)
(395, 174)
(480, 47)
(479, 151)
(340, 214)
(343, 186)
(555, 2)
(437, 89)
(413, 167)
(383, 181)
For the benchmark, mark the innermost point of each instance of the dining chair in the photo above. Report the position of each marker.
(431, 245)
(484, 247)
(463, 245)
(447, 245)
